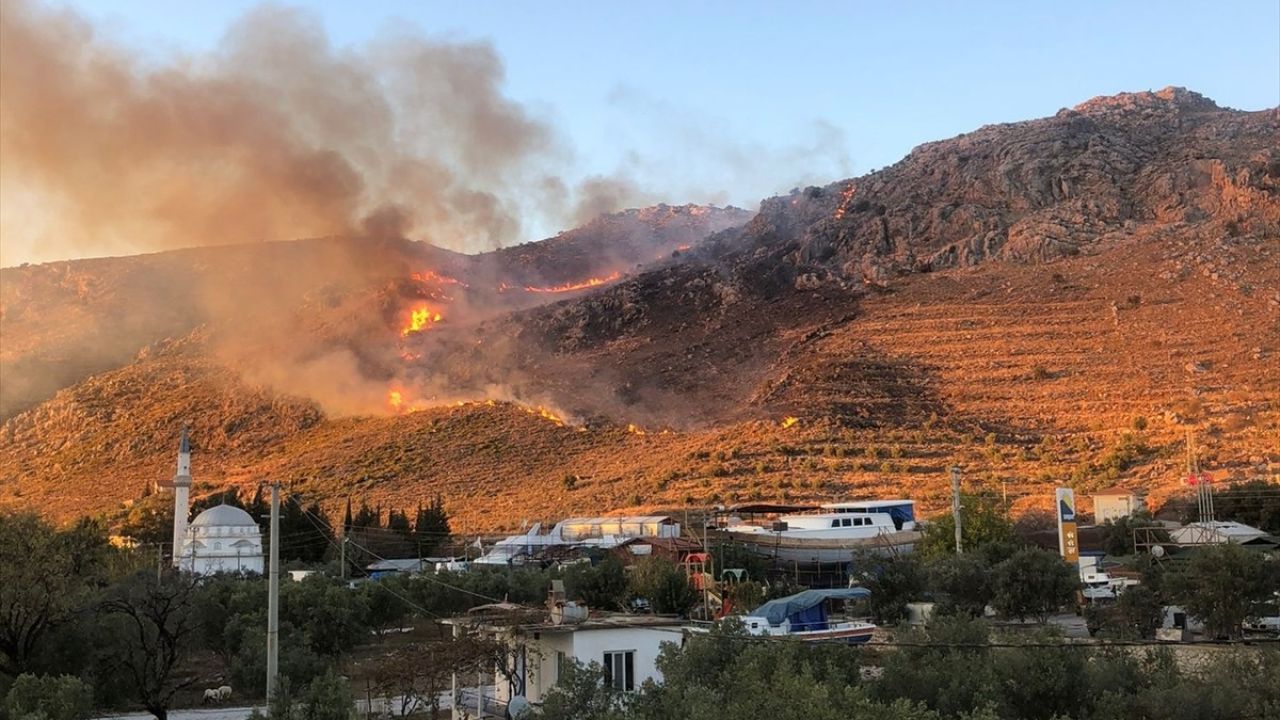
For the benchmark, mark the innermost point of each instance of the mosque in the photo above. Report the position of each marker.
(223, 538)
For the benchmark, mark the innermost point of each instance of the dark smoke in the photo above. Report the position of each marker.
(276, 134)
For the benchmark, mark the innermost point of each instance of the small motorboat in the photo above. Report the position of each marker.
(803, 616)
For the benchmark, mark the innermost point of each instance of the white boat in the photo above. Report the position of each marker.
(596, 532)
(803, 616)
(829, 533)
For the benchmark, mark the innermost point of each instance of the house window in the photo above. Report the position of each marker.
(848, 522)
(562, 662)
(619, 670)
(835, 523)
(217, 546)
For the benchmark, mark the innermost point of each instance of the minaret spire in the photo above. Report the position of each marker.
(181, 497)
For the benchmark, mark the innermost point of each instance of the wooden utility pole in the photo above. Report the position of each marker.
(273, 596)
(955, 503)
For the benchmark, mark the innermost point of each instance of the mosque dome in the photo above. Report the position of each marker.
(224, 516)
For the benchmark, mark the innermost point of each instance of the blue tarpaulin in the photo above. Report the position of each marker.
(806, 608)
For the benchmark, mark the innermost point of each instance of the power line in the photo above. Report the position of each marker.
(402, 598)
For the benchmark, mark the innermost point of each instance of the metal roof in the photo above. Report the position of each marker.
(768, 508)
(869, 504)
(616, 520)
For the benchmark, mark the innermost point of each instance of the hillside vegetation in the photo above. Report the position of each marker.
(1049, 302)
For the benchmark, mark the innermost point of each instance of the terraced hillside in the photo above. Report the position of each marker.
(1051, 302)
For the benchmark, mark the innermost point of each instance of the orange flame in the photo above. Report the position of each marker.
(845, 196)
(395, 400)
(543, 413)
(788, 422)
(569, 287)
(420, 318)
(431, 276)
(631, 428)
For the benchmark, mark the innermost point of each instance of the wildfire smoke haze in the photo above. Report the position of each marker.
(274, 134)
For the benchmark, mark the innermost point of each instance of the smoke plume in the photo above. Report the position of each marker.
(275, 134)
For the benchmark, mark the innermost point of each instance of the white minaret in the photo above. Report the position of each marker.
(181, 497)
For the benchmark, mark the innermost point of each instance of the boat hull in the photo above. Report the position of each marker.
(846, 636)
(843, 633)
(821, 551)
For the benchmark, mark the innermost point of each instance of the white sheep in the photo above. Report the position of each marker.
(219, 694)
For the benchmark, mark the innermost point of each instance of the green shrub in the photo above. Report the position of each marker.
(49, 697)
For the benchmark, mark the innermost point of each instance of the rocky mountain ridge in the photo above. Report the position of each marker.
(1054, 301)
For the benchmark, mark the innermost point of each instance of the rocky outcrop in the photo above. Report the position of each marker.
(1039, 190)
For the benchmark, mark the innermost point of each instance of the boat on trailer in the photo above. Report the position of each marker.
(804, 617)
(828, 533)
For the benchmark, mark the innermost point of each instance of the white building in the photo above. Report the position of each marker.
(222, 539)
(1113, 504)
(625, 646)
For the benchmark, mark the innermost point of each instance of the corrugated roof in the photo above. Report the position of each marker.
(769, 508)
(616, 520)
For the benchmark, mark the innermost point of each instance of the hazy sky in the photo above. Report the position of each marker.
(889, 75)
(731, 101)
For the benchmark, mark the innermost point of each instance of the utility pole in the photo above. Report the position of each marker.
(273, 595)
(955, 503)
(343, 553)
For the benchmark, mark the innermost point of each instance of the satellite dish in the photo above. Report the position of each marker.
(519, 708)
(1157, 551)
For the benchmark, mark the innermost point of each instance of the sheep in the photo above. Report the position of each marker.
(218, 694)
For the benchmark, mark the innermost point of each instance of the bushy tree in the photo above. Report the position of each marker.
(946, 667)
(582, 694)
(664, 584)
(49, 697)
(894, 580)
(1033, 583)
(333, 618)
(157, 627)
(602, 585)
(1139, 612)
(962, 584)
(1118, 539)
(1220, 585)
(47, 576)
(982, 522)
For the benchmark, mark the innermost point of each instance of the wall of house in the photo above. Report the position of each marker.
(1111, 507)
(589, 646)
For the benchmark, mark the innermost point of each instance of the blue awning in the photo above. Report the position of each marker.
(775, 611)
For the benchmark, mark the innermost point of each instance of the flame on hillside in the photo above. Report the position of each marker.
(420, 318)
(789, 421)
(543, 413)
(570, 287)
(636, 429)
(395, 400)
(431, 276)
(845, 196)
